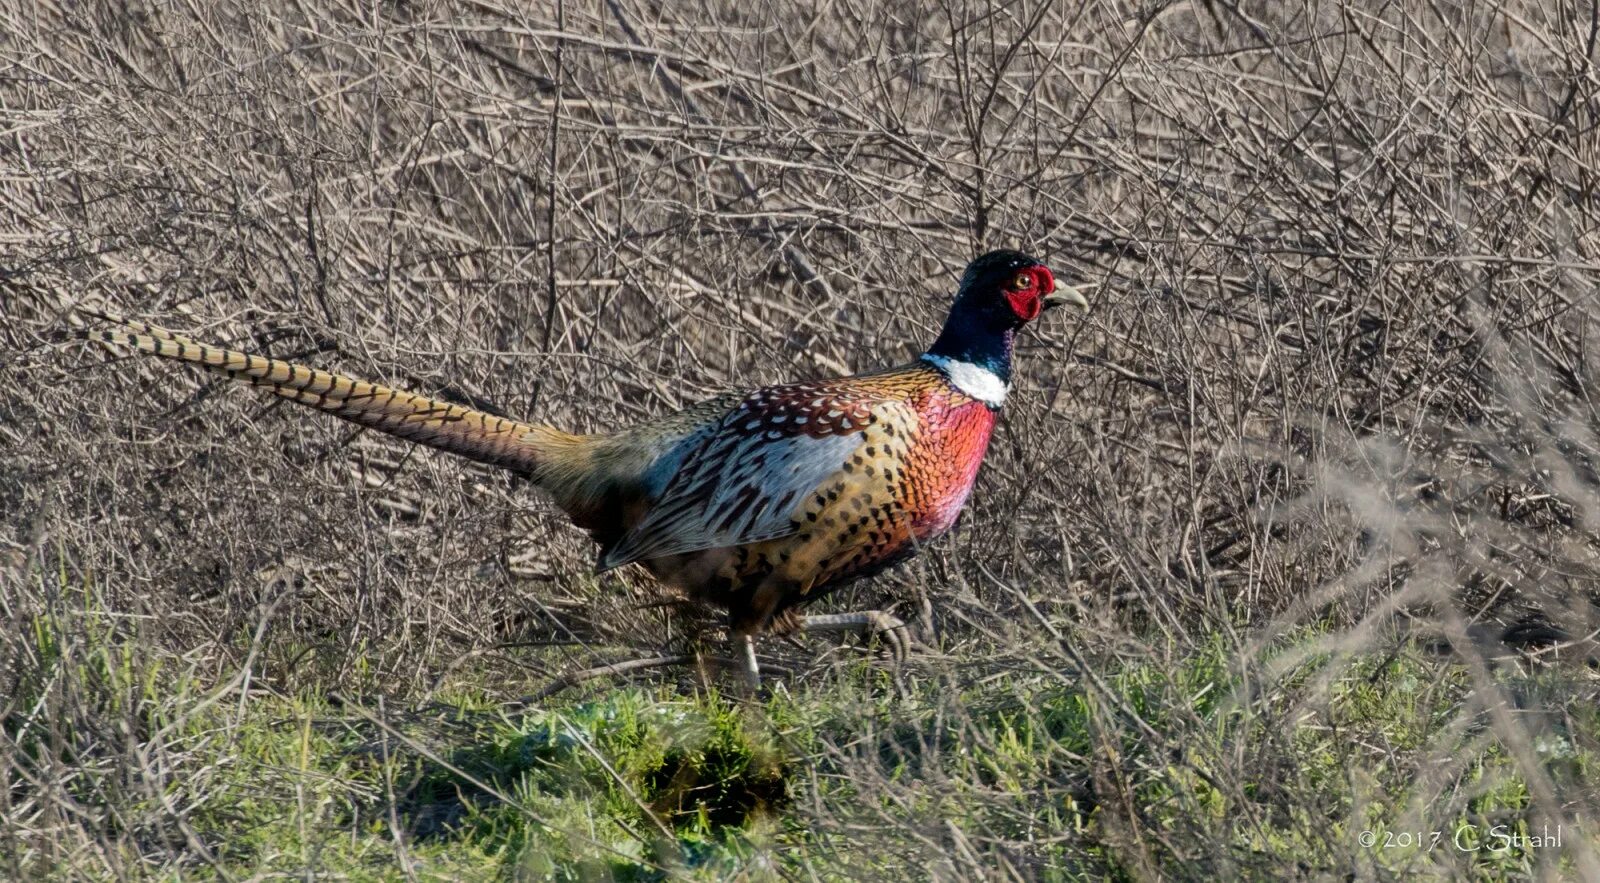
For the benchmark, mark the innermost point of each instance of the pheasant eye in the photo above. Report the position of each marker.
(1022, 282)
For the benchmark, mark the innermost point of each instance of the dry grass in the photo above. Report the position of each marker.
(1331, 409)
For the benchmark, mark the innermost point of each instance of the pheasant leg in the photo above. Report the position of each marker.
(747, 662)
(867, 623)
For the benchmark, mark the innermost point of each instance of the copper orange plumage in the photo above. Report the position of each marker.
(759, 502)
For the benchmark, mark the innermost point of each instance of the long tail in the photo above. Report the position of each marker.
(522, 447)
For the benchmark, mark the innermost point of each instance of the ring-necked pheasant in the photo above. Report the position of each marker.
(756, 502)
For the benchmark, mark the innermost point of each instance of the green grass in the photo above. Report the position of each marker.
(1199, 766)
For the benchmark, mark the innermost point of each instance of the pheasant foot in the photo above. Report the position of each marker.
(868, 623)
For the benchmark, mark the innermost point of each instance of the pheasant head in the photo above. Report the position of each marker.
(1000, 293)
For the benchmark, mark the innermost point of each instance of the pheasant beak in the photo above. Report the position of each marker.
(1066, 295)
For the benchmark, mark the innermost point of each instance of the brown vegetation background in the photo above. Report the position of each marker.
(1335, 380)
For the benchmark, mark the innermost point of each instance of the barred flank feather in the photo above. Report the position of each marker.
(454, 428)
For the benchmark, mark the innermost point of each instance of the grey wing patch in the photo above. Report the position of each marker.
(737, 488)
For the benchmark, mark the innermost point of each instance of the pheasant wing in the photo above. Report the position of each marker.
(745, 482)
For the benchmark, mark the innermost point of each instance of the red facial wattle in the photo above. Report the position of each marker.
(1025, 292)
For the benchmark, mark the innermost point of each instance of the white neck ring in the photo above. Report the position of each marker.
(974, 380)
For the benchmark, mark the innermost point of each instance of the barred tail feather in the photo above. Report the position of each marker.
(521, 447)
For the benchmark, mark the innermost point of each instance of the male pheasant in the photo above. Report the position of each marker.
(755, 502)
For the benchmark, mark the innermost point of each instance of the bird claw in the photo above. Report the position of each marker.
(892, 630)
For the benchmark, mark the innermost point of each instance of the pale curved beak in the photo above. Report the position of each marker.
(1066, 295)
